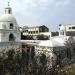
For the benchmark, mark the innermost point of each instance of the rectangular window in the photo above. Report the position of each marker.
(29, 32)
(69, 27)
(36, 31)
(73, 27)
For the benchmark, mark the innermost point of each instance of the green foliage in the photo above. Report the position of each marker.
(25, 63)
(70, 70)
(10, 54)
(43, 59)
(20, 63)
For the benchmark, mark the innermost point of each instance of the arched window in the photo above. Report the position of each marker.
(11, 26)
(11, 37)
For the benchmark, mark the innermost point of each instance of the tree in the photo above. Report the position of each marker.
(10, 54)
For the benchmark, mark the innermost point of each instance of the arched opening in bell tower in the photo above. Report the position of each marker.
(11, 37)
(11, 26)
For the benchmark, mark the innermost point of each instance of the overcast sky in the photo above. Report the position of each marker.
(39, 12)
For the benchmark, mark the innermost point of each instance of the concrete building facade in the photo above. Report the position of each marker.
(35, 31)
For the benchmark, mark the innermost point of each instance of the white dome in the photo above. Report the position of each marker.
(7, 18)
(62, 28)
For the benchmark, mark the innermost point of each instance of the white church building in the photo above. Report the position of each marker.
(9, 33)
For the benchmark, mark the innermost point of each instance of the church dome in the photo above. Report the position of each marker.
(7, 18)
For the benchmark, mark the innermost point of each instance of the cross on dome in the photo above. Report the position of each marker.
(8, 3)
(8, 9)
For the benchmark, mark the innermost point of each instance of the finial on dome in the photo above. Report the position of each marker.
(8, 3)
(8, 9)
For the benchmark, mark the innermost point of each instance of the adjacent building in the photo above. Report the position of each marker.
(35, 31)
(68, 28)
(58, 47)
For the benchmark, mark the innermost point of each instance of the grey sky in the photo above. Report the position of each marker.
(38, 12)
